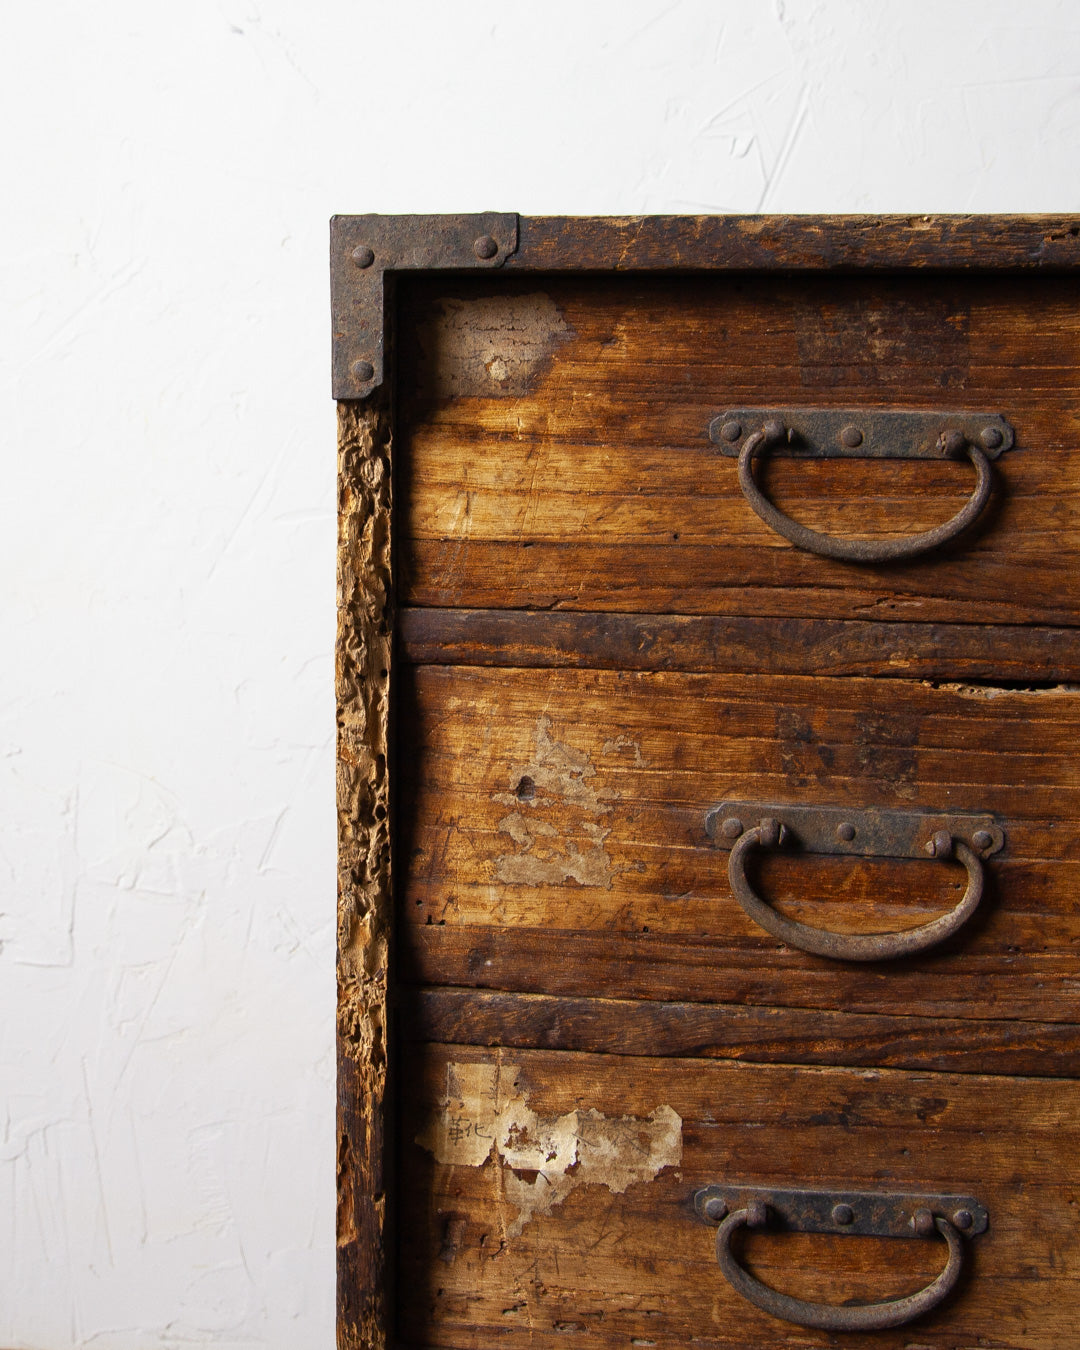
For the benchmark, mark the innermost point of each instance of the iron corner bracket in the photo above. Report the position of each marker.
(363, 249)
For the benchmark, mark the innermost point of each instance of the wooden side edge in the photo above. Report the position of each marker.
(363, 666)
(632, 243)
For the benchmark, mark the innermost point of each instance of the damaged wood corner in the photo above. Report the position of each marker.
(362, 675)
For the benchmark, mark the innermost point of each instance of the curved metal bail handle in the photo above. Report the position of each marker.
(860, 550)
(828, 1316)
(852, 946)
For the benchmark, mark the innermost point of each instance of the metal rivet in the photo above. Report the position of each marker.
(363, 370)
(941, 845)
(715, 1209)
(731, 828)
(963, 1218)
(982, 838)
(843, 1215)
(731, 431)
(485, 247)
(851, 437)
(952, 442)
(845, 831)
(770, 832)
(363, 256)
(923, 1222)
(991, 438)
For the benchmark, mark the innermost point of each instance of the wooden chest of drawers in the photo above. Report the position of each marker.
(709, 931)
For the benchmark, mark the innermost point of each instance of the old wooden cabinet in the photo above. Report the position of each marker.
(593, 670)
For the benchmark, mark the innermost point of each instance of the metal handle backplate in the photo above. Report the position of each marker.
(819, 433)
(744, 826)
(857, 1213)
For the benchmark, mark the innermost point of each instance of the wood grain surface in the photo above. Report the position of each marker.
(556, 454)
(487, 1260)
(554, 837)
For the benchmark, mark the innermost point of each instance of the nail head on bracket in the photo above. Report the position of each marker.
(991, 438)
(963, 1219)
(715, 1209)
(363, 256)
(485, 247)
(941, 845)
(363, 370)
(952, 442)
(846, 831)
(982, 839)
(731, 431)
(851, 436)
(770, 832)
(731, 828)
(843, 1215)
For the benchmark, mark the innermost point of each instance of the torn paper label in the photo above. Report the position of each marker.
(544, 1158)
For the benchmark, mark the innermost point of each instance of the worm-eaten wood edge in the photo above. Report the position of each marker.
(363, 665)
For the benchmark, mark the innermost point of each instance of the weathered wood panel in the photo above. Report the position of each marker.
(555, 836)
(738, 1031)
(557, 455)
(1028, 985)
(999, 653)
(549, 1199)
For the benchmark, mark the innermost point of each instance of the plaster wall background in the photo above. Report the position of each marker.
(167, 527)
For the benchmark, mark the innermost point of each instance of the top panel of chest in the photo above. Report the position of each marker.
(825, 419)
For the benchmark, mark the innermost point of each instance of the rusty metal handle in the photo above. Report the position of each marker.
(828, 1316)
(853, 946)
(859, 550)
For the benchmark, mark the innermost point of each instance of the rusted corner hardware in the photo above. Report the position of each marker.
(859, 1213)
(868, 832)
(363, 249)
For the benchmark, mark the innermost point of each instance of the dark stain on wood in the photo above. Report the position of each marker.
(855, 338)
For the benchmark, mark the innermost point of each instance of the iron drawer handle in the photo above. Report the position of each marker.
(853, 946)
(860, 550)
(827, 1316)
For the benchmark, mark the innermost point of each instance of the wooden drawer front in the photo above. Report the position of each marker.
(556, 840)
(549, 1196)
(555, 450)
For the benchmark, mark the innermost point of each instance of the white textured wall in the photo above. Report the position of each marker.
(167, 529)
